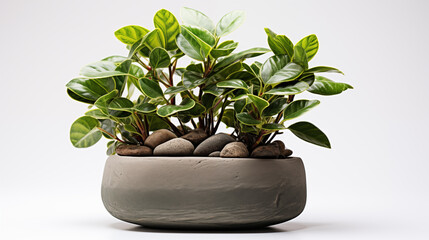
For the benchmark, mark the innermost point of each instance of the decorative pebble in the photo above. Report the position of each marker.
(234, 150)
(158, 137)
(133, 150)
(174, 147)
(215, 154)
(267, 151)
(212, 144)
(196, 136)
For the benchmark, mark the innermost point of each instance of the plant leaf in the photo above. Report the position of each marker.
(224, 49)
(299, 107)
(84, 132)
(310, 44)
(100, 69)
(279, 44)
(150, 88)
(224, 73)
(272, 65)
(103, 102)
(239, 105)
(275, 107)
(91, 89)
(298, 87)
(169, 26)
(323, 69)
(272, 127)
(195, 42)
(159, 58)
(145, 107)
(230, 22)
(310, 133)
(300, 57)
(121, 104)
(130, 34)
(249, 53)
(174, 90)
(233, 83)
(325, 86)
(97, 114)
(228, 118)
(193, 17)
(288, 73)
(246, 119)
(168, 110)
(259, 102)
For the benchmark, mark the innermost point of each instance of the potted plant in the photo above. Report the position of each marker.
(154, 111)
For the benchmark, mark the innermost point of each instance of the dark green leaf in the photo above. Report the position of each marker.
(300, 57)
(224, 49)
(108, 126)
(90, 89)
(121, 104)
(195, 111)
(273, 65)
(298, 87)
(239, 105)
(323, 69)
(97, 114)
(228, 118)
(150, 88)
(159, 58)
(233, 83)
(288, 73)
(247, 119)
(145, 108)
(324, 86)
(279, 44)
(310, 133)
(168, 110)
(253, 52)
(213, 89)
(84, 132)
(272, 127)
(174, 90)
(103, 102)
(224, 73)
(299, 107)
(259, 102)
(275, 107)
(195, 42)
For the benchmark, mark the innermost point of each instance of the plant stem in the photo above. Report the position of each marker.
(220, 116)
(259, 139)
(111, 135)
(182, 125)
(140, 125)
(193, 123)
(174, 128)
(272, 137)
(142, 63)
(290, 98)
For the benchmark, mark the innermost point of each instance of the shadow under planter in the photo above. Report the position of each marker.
(204, 192)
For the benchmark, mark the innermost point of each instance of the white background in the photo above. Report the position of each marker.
(373, 184)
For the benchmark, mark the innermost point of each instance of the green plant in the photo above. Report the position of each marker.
(217, 86)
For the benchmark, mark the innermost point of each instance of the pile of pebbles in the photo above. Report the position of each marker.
(197, 143)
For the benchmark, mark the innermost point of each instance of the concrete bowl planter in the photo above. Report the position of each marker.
(203, 192)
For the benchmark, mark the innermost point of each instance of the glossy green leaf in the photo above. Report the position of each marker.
(156, 123)
(150, 88)
(130, 128)
(238, 97)
(111, 148)
(275, 107)
(84, 132)
(193, 17)
(228, 118)
(130, 34)
(296, 88)
(100, 69)
(310, 133)
(288, 73)
(174, 90)
(169, 26)
(145, 108)
(224, 49)
(196, 68)
(97, 114)
(323, 69)
(247, 119)
(300, 57)
(259, 102)
(168, 110)
(233, 83)
(208, 100)
(196, 111)
(192, 79)
(213, 89)
(159, 58)
(154, 39)
(195, 42)
(272, 127)
(103, 102)
(299, 107)
(325, 86)
(239, 105)
(230, 22)
(279, 44)
(108, 126)
(224, 73)
(310, 44)
(240, 56)
(78, 98)
(91, 89)
(273, 65)
(121, 104)
(115, 59)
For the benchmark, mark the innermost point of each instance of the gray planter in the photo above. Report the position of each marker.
(203, 192)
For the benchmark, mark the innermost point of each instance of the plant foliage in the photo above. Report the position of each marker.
(255, 99)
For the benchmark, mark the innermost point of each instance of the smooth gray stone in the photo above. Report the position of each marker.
(203, 192)
(174, 147)
(215, 154)
(158, 137)
(213, 144)
(234, 149)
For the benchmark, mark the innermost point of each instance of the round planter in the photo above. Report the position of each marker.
(203, 192)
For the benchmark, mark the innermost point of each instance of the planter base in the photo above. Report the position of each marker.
(203, 192)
